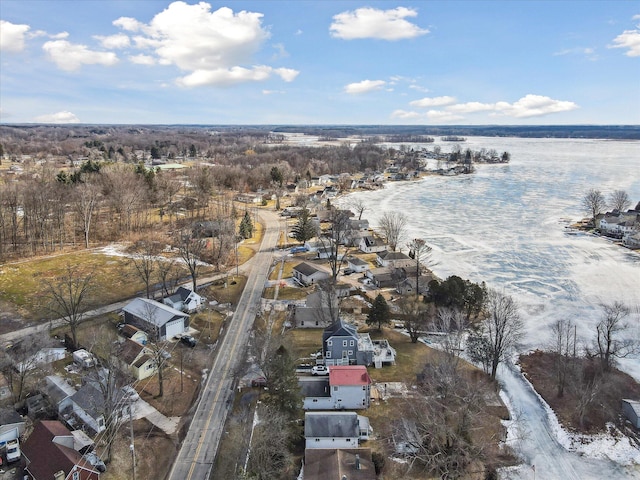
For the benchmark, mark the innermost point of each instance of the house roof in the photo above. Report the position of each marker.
(306, 269)
(331, 424)
(90, 399)
(334, 464)
(46, 457)
(142, 360)
(153, 312)
(58, 389)
(130, 351)
(357, 261)
(339, 328)
(182, 294)
(349, 375)
(314, 387)
(130, 330)
(387, 255)
(9, 416)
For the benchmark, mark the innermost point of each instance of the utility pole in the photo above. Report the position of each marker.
(131, 445)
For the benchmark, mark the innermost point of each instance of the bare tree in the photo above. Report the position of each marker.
(393, 226)
(359, 205)
(156, 344)
(563, 347)
(145, 261)
(594, 203)
(269, 456)
(328, 311)
(87, 198)
(191, 250)
(341, 231)
(608, 344)
(69, 296)
(416, 317)
(21, 361)
(501, 330)
(619, 200)
(168, 274)
(421, 252)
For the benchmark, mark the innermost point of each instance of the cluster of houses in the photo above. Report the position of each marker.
(623, 226)
(63, 449)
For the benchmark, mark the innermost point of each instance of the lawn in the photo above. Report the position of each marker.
(304, 341)
(286, 293)
(225, 290)
(287, 271)
(23, 284)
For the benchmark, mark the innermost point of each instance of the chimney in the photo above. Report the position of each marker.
(357, 462)
(59, 475)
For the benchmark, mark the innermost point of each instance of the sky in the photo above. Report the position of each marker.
(418, 62)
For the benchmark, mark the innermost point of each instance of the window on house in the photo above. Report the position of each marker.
(350, 352)
(351, 343)
(344, 343)
(317, 323)
(335, 389)
(302, 323)
(364, 388)
(315, 400)
(330, 343)
(317, 439)
(328, 354)
(76, 476)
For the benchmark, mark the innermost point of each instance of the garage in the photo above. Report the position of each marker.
(174, 328)
(152, 317)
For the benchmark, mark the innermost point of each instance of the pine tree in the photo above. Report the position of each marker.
(246, 226)
(305, 229)
(379, 313)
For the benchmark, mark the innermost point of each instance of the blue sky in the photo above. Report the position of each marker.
(320, 62)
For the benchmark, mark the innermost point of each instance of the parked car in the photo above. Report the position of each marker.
(13, 450)
(304, 368)
(320, 370)
(299, 249)
(130, 393)
(188, 340)
(348, 271)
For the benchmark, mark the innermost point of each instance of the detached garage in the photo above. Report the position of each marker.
(155, 318)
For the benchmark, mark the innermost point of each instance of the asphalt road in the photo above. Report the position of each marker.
(198, 450)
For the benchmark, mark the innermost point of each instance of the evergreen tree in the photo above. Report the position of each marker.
(379, 313)
(305, 229)
(246, 226)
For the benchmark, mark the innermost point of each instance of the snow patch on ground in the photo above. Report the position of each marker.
(613, 445)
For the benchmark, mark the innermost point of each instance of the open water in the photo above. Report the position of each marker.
(506, 225)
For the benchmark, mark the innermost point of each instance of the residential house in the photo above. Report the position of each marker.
(357, 264)
(157, 319)
(213, 228)
(371, 244)
(632, 240)
(89, 407)
(361, 224)
(340, 343)
(382, 277)
(319, 311)
(12, 425)
(135, 334)
(185, 300)
(338, 464)
(348, 387)
(307, 274)
(394, 259)
(59, 393)
(631, 410)
(50, 454)
(137, 359)
(335, 429)
(249, 198)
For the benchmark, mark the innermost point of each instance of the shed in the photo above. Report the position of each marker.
(155, 318)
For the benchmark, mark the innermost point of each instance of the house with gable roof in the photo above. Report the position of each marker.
(347, 387)
(307, 274)
(50, 454)
(185, 300)
(338, 464)
(335, 429)
(394, 259)
(157, 319)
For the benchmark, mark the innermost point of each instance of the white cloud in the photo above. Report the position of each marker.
(588, 52)
(129, 24)
(369, 22)
(433, 101)
(12, 36)
(364, 86)
(432, 115)
(418, 88)
(405, 115)
(142, 59)
(119, 40)
(272, 92)
(534, 106)
(71, 56)
(212, 47)
(281, 52)
(629, 39)
(59, 117)
(471, 107)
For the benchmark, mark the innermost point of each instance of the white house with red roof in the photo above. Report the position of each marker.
(347, 388)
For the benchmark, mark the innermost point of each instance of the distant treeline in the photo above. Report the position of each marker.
(618, 132)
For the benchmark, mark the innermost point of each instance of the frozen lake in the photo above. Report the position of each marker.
(505, 225)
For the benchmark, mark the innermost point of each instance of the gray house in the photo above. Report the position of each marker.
(318, 312)
(335, 429)
(631, 410)
(340, 343)
(59, 392)
(155, 318)
(307, 274)
(348, 387)
(185, 300)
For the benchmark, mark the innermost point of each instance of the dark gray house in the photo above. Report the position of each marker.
(155, 318)
(341, 345)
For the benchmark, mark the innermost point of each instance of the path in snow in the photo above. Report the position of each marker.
(536, 443)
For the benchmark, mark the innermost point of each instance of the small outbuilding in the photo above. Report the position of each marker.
(157, 319)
